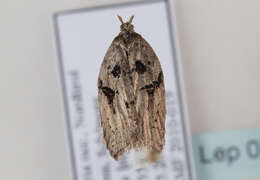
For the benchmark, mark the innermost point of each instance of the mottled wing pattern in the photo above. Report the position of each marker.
(150, 96)
(113, 106)
(131, 97)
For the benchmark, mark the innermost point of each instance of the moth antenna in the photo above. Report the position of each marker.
(131, 19)
(120, 19)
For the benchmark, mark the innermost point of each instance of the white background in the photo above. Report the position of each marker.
(220, 53)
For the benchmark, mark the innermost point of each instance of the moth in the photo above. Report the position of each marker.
(131, 97)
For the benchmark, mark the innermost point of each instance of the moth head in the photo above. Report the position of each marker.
(126, 26)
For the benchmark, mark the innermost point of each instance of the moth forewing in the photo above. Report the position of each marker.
(131, 97)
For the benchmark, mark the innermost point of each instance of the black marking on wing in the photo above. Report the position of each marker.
(155, 84)
(150, 91)
(140, 67)
(160, 78)
(109, 93)
(126, 105)
(116, 71)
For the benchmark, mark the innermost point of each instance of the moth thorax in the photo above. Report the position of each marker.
(127, 27)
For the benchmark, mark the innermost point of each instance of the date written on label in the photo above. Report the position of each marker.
(229, 154)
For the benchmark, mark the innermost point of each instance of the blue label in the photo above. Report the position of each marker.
(229, 155)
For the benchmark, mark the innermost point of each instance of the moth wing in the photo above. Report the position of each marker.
(150, 98)
(113, 110)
